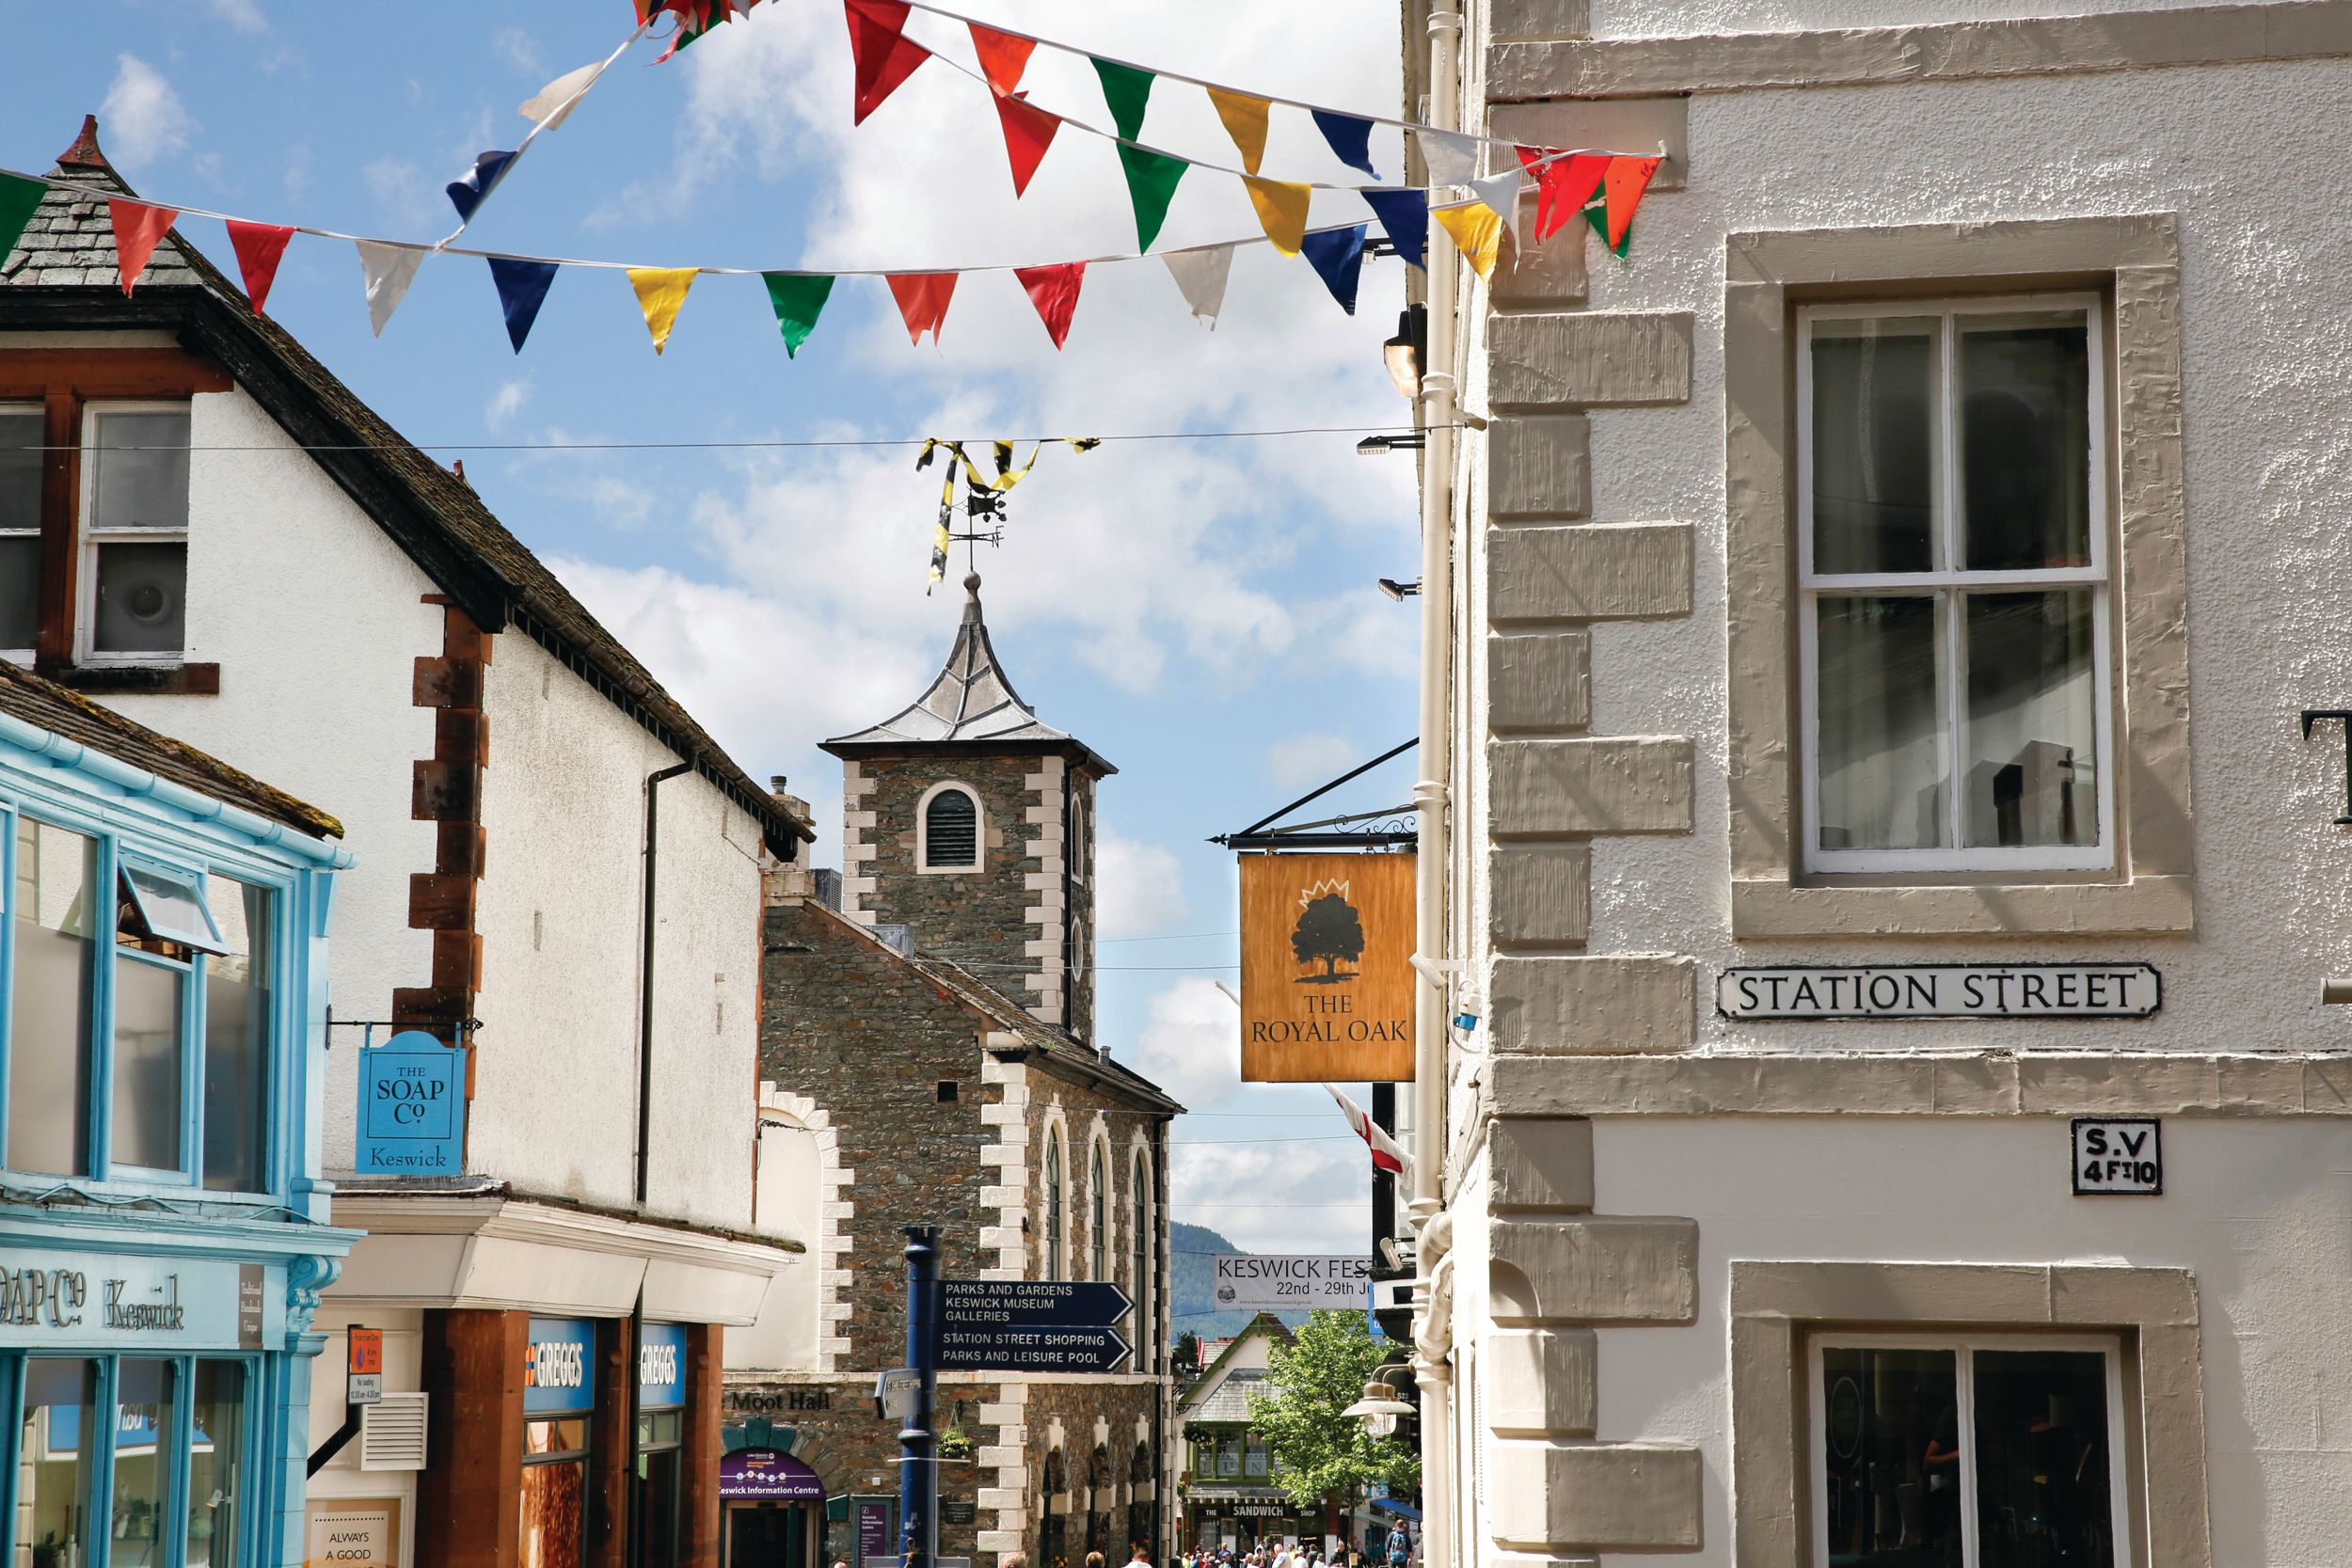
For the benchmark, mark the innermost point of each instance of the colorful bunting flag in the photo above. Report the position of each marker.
(1500, 193)
(1054, 293)
(1451, 160)
(522, 288)
(1200, 276)
(1562, 186)
(1338, 256)
(1477, 232)
(1623, 185)
(19, 199)
(1403, 217)
(660, 293)
(1028, 131)
(1151, 186)
(1245, 122)
(1127, 91)
(469, 190)
(260, 247)
(1349, 137)
(387, 270)
(922, 298)
(1003, 56)
(1596, 214)
(138, 229)
(881, 54)
(798, 299)
(551, 106)
(1281, 211)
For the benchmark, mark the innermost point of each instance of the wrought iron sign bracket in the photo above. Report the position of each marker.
(2343, 715)
(1389, 828)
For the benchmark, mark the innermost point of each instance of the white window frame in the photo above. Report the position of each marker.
(87, 537)
(2120, 1440)
(923, 865)
(39, 409)
(2098, 576)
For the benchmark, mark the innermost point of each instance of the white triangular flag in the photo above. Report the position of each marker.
(388, 269)
(1501, 193)
(1200, 276)
(552, 104)
(1451, 159)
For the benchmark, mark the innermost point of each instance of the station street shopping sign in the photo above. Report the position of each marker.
(1326, 968)
(412, 1107)
(1031, 1325)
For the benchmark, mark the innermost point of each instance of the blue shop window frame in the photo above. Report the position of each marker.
(263, 1486)
(290, 919)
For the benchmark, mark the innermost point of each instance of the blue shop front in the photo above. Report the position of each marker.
(163, 1235)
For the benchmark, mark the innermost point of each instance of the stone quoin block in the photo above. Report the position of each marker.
(1589, 360)
(1542, 893)
(1541, 1382)
(1543, 276)
(1539, 680)
(1589, 571)
(1542, 1163)
(1647, 127)
(1539, 465)
(1595, 1496)
(1613, 784)
(1594, 1268)
(1615, 1005)
(1539, 21)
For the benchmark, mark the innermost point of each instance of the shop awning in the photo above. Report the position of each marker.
(1402, 1510)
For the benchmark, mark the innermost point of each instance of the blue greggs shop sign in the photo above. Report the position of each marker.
(558, 1362)
(412, 1107)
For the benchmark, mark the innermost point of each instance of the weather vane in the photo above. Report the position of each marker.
(984, 498)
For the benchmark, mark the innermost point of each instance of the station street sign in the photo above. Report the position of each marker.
(968, 1303)
(1031, 1350)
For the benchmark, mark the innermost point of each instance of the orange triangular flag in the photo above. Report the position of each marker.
(1003, 56)
(1245, 122)
(138, 229)
(1054, 293)
(1028, 131)
(1623, 185)
(1564, 186)
(260, 247)
(1281, 211)
(922, 298)
(1477, 231)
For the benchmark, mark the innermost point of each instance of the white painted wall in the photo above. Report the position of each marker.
(1619, 18)
(785, 1336)
(2260, 1211)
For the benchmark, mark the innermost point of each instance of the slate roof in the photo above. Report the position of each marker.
(63, 275)
(46, 706)
(971, 704)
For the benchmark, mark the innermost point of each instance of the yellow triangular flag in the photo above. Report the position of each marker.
(1281, 211)
(1245, 122)
(660, 293)
(1478, 231)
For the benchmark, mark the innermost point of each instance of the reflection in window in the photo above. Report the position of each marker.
(554, 1493)
(145, 1392)
(54, 1459)
(660, 1459)
(216, 1464)
(49, 1013)
(138, 529)
(21, 429)
(237, 993)
(149, 1091)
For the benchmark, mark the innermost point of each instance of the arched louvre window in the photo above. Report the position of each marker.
(1099, 1178)
(1051, 1266)
(952, 831)
(1139, 1262)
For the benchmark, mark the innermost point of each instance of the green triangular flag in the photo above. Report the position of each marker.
(1126, 91)
(1150, 186)
(18, 198)
(798, 297)
(1597, 215)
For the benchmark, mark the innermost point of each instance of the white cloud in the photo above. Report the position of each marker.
(400, 186)
(1138, 887)
(143, 117)
(1191, 1044)
(1309, 759)
(1300, 1190)
(506, 401)
(243, 15)
(520, 50)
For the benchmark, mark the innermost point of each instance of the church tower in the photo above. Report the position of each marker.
(971, 823)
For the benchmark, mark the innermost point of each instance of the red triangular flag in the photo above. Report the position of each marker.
(922, 298)
(138, 229)
(259, 247)
(1003, 56)
(1054, 293)
(1028, 131)
(1626, 180)
(881, 55)
(1562, 186)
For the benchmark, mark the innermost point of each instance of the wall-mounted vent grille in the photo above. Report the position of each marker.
(951, 830)
(392, 1432)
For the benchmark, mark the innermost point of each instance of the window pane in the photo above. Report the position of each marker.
(139, 469)
(53, 1459)
(2032, 747)
(554, 1513)
(2043, 1492)
(1892, 1482)
(2025, 440)
(20, 589)
(1879, 710)
(20, 526)
(217, 1465)
(237, 991)
(143, 1439)
(142, 599)
(657, 1483)
(168, 905)
(149, 1088)
(1873, 444)
(49, 1022)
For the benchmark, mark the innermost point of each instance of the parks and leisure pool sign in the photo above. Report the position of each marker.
(1326, 973)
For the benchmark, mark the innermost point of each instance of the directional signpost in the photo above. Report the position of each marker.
(1031, 1325)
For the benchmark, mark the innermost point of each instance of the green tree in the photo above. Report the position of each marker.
(1318, 1452)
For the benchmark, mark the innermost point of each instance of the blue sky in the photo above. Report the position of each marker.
(1201, 613)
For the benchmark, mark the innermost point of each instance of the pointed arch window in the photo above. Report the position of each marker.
(947, 824)
(1051, 1266)
(1140, 1280)
(1099, 1181)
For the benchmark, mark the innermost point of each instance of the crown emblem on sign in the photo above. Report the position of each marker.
(1333, 886)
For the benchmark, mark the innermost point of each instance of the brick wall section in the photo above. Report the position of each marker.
(447, 792)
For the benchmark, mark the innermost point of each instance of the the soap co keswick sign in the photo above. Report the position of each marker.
(58, 1299)
(412, 1107)
(1941, 990)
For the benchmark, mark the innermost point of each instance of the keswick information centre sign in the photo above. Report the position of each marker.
(1941, 990)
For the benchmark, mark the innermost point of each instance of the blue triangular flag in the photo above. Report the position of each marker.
(522, 288)
(1338, 256)
(1403, 217)
(469, 190)
(1350, 138)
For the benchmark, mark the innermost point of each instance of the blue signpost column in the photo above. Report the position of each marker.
(919, 1469)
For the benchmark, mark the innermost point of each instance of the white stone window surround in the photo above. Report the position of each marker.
(978, 863)
(1814, 585)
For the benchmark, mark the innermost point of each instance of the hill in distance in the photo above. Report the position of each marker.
(1195, 1291)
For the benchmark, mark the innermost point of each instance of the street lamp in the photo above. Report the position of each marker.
(1380, 1408)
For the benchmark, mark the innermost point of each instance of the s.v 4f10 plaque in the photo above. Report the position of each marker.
(1326, 973)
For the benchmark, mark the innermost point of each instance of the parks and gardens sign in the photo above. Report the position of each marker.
(1326, 976)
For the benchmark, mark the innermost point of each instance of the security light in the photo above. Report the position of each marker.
(1403, 353)
(1400, 591)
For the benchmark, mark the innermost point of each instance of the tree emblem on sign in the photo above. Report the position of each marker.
(1328, 929)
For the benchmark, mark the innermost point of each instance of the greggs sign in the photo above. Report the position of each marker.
(1326, 974)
